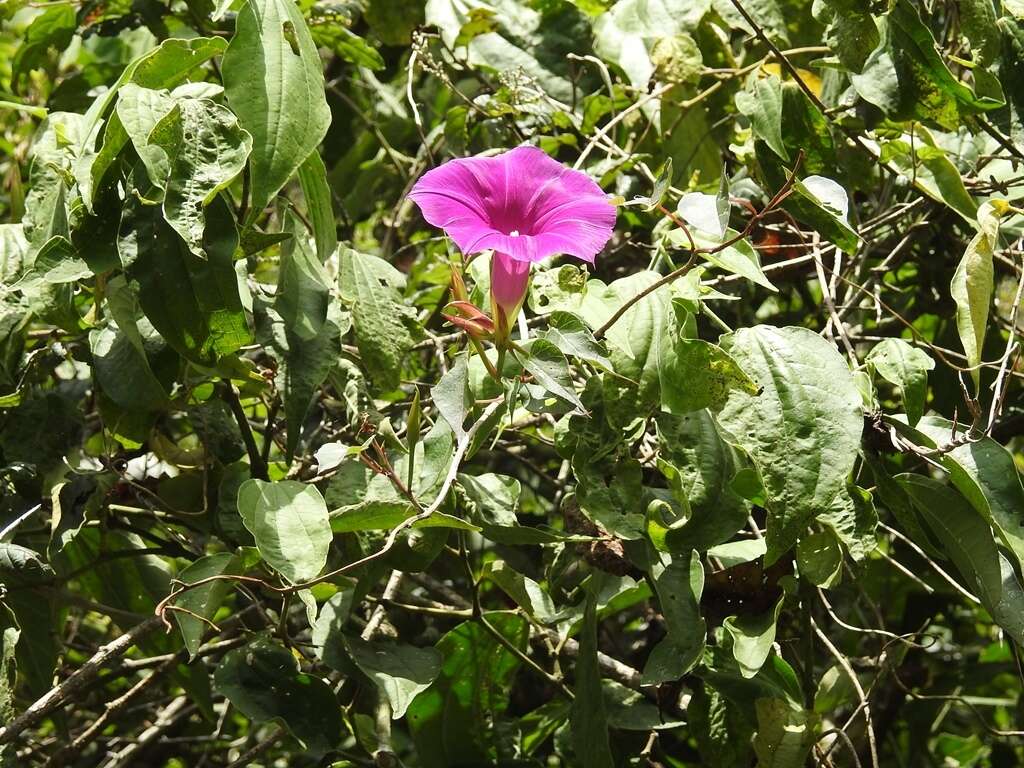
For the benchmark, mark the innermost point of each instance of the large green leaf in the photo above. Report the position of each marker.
(204, 600)
(452, 396)
(784, 734)
(193, 302)
(906, 367)
(303, 286)
(987, 476)
(371, 288)
(699, 466)
(906, 77)
(274, 82)
(123, 372)
(289, 521)
(588, 717)
(22, 570)
(206, 150)
(163, 67)
(262, 679)
(803, 431)
(400, 671)
(455, 721)
(700, 375)
(550, 370)
(637, 339)
(678, 584)
(973, 284)
(967, 540)
(625, 34)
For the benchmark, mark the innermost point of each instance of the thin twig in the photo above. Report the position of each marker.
(53, 698)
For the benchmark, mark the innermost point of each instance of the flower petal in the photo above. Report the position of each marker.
(562, 210)
(452, 198)
(522, 203)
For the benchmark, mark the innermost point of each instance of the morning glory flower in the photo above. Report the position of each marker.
(524, 206)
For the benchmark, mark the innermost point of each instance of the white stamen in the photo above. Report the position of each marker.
(514, 233)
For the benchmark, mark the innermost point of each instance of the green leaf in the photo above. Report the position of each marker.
(917, 157)
(740, 258)
(123, 372)
(163, 67)
(327, 631)
(138, 111)
(708, 213)
(370, 286)
(803, 431)
(52, 29)
(452, 396)
(637, 339)
(701, 375)
(455, 721)
(205, 599)
(752, 638)
(699, 466)
(677, 59)
(820, 558)
(609, 494)
(588, 717)
(722, 731)
(289, 521)
(978, 25)
(968, 541)
(784, 735)
(263, 681)
(678, 585)
(206, 150)
(907, 78)
(835, 690)
(987, 476)
(193, 302)
(274, 82)
(972, 285)
(319, 204)
(9, 635)
(347, 44)
(550, 370)
(852, 517)
(905, 367)
(527, 593)
(303, 286)
(762, 103)
(400, 671)
(625, 34)
(572, 337)
(303, 365)
(852, 33)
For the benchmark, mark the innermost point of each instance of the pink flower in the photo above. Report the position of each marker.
(521, 204)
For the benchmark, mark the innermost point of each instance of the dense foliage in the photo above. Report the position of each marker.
(744, 491)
